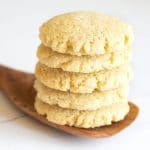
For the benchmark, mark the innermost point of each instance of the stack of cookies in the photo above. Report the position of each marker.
(83, 71)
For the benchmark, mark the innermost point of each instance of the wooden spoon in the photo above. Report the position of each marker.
(18, 87)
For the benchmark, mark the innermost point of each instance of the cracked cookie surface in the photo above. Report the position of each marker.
(82, 64)
(83, 83)
(86, 33)
(88, 101)
(83, 118)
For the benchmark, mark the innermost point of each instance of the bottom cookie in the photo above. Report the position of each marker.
(83, 118)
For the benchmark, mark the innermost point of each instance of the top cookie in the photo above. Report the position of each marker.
(86, 33)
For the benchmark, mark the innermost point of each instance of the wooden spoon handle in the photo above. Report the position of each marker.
(9, 79)
(4, 75)
(7, 75)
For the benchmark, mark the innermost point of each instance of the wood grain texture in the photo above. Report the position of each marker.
(18, 87)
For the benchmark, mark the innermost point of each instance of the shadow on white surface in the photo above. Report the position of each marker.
(7, 112)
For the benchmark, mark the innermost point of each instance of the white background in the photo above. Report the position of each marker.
(19, 23)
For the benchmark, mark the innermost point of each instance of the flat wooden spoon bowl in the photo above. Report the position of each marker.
(18, 87)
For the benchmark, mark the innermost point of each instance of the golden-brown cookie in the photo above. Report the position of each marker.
(83, 118)
(83, 83)
(88, 101)
(86, 33)
(84, 64)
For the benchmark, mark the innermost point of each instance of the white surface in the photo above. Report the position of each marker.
(19, 22)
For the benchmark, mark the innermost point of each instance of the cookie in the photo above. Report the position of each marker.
(83, 83)
(84, 64)
(88, 101)
(83, 118)
(86, 33)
